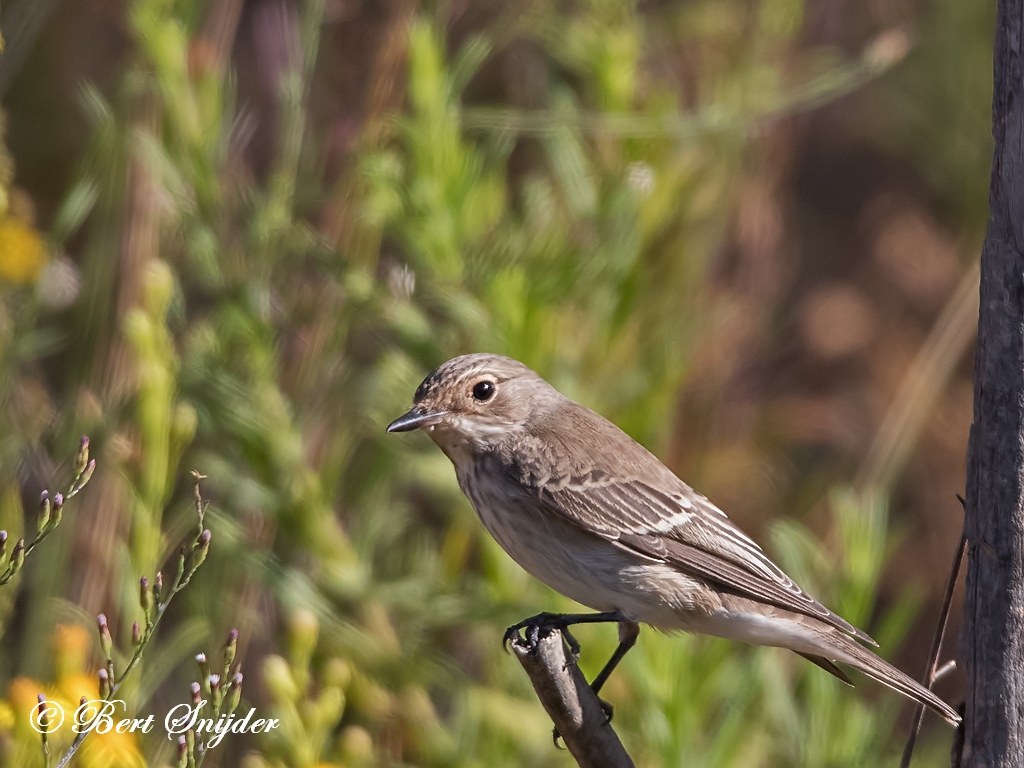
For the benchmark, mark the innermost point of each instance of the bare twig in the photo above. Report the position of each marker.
(44, 723)
(888, 50)
(907, 415)
(572, 705)
(933, 672)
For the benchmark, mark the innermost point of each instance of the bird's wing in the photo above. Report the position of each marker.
(668, 521)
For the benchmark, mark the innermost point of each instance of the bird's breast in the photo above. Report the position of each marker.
(581, 566)
(507, 513)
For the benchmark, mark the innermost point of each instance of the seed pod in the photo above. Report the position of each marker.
(201, 549)
(230, 648)
(43, 719)
(58, 509)
(181, 565)
(105, 641)
(216, 694)
(44, 511)
(86, 475)
(235, 694)
(82, 459)
(18, 556)
(145, 597)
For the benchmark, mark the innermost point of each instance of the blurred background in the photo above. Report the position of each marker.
(235, 234)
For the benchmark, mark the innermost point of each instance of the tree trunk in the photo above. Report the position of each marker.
(993, 632)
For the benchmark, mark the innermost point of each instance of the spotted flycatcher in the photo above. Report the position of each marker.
(594, 515)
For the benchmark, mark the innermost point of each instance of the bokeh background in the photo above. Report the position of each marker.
(235, 234)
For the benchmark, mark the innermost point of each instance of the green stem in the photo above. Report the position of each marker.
(76, 485)
(181, 581)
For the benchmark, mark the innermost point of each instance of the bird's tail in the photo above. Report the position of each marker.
(846, 650)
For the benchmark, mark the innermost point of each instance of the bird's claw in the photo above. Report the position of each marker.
(533, 636)
(511, 634)
(573, 643)
(540, 626)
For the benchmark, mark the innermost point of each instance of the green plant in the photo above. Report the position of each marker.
(262, 307)
(153, 601)
(50, 515)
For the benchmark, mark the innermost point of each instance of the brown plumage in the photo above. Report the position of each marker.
(592, 513)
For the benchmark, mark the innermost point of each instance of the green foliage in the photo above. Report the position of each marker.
(236, 337)
(830, 727)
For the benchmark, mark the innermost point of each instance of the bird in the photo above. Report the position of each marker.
(590, 512)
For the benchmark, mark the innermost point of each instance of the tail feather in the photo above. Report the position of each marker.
(843, 649)
(824, 644)
(829, 666)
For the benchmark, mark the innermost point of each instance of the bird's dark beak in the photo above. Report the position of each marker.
(416, 418)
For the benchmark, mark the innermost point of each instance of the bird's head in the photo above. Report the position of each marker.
(478, 399)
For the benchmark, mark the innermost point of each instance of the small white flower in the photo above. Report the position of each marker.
(640, 178)
(401, 281)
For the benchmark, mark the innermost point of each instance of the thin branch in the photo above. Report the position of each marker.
(888, 49)
(154, 605)
(42, 715)
(948, 341)
(224, 691)
(50, 514)
(933, 672)
(573, 707)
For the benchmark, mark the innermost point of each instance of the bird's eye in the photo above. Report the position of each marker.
(483, 390)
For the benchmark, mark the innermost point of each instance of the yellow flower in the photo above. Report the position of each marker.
(70, 689)
(99, 750)
(71, 645)
(22, 253)
(22, 695)
(111, 750)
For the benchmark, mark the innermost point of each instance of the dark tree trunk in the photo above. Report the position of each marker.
(993, 633)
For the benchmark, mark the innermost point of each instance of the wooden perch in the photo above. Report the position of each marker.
(573, 707)
(992, 640)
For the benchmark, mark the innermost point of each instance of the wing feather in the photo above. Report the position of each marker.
(584, 468)
(686, 530)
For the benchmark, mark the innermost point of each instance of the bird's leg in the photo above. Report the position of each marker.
(629, 631)
(573, 643)
(545, 622)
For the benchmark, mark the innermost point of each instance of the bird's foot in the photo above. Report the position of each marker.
(540, 626)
